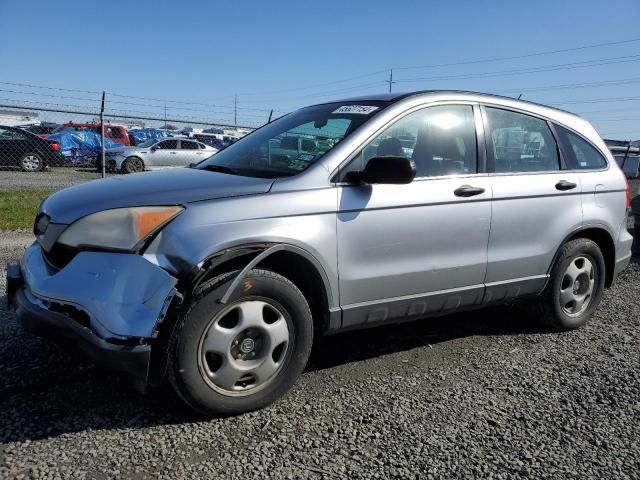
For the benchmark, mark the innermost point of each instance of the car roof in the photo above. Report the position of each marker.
(397, 96)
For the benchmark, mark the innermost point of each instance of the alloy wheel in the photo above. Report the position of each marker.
(244, 347)
(577, 285)
(30, 162)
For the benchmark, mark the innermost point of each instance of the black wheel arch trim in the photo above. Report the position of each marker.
(591, 226)
(258, 252)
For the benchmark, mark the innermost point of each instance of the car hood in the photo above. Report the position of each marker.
(164, 187)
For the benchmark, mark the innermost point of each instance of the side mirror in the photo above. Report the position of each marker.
(386, 169)
(154, 148)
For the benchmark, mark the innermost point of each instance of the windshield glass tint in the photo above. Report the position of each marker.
(293, 143)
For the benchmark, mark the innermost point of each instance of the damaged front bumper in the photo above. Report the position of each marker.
(109, 305)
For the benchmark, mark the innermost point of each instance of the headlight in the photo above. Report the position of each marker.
(118, 229)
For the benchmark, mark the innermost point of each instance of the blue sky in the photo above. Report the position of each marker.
(286, 54)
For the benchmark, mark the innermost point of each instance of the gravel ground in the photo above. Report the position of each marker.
(488, 394)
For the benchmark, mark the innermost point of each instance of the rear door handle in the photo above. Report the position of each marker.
(173, 153)
(468, 191)
(565, 185)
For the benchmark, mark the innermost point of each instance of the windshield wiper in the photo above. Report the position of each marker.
(221, 169)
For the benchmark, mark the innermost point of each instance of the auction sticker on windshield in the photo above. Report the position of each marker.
(358, 109)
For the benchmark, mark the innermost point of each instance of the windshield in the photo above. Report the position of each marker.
(292, 143)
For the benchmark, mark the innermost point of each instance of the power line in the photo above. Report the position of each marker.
(306, 87)
(442, 65)
(112, 94)
(518, 57)
(324, 94)
(231, 107)
(50, 88)
(120, 102)
(615, 134)
(628, 119)
(603, 83)
(344, 80)
(120, 113)
(546, 68)
(604, 110)
(48, 95)
(596, 100)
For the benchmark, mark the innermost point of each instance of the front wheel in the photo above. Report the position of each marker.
(133, 165)
(245, 354)
(575, 286)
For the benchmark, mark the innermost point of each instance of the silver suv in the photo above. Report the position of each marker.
(344, 215)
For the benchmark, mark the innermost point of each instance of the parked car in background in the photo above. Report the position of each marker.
(115, 133)
(635, 211)
(210, 139)
(221, 276)
(139, 135)
(19, 148)
(171, 152)
(627, 157)
(83, 147)
(43, 130)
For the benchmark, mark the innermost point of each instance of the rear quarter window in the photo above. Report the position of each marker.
(582, 154)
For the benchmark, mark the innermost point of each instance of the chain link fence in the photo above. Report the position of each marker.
(44, 148)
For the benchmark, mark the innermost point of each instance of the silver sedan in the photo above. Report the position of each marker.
(168, 152)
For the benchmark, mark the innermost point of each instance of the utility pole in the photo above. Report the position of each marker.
(235, 111)
(104, 167)
(165, 115)
(390, 81)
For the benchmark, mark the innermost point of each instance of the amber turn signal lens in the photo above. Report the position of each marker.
(148, 219)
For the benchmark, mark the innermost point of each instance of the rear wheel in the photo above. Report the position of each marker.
(133, 165)
(31, 162)
(575, 286)
(245, 354)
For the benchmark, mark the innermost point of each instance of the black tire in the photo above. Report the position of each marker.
(111, 166)
(133, 165)
(549, 304)
(28, 162)
(184, 370)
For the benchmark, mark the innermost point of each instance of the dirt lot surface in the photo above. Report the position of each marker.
(488, 394)
(52, 179)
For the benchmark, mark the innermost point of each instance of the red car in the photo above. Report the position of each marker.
(116, 133)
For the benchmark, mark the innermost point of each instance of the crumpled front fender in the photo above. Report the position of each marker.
(123, 294)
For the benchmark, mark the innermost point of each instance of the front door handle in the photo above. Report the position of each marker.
(173, 153)
(468, 191)
(565, 185)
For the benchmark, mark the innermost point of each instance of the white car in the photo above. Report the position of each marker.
(167, 152)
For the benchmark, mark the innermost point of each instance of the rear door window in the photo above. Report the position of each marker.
(188, 145)
(520, 143)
